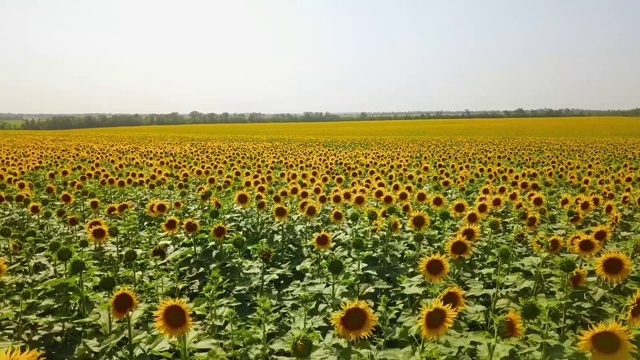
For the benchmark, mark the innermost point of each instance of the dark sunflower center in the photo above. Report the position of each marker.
(575, 280)
(482, 208)
(600, 235)
(613, 265)
(459, 247)
(421, 197)
(191, 226)
(161, 208)
(359, 200)
(606, 342)
(459, 208)
(564, 202)
(98, 233)
(280, 211)
(322, 240)
(472, 218)
(311, 211)
(95, 204)
(175, 316)
(509, 327)
(435, 267)
(451, 299)
(497, 202)
(555, 244)
(337, 215)
(531, 221)
(243, 199)
(66, 198)
(468, 233)
(537, 201)
(435, 318)
(123, 303)
(584, 205)
(388, 199)
(336, 198)
(219, 231)
(418, 221)
(437, 201)
(171, 224)
(635, 310)
(609, 209)
(354, 319)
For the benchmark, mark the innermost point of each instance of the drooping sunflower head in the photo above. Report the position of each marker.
(171, 225)
(322, 240)
(633, 316)
(280, 212)
(613, 266)
(458, 247)
(454, 297)
(578, 279)
(173, 318)
(419, 220)
(555, 244)
(436, 319)
(191, 226)
(122, 302)
(607, 341)
(356, 320)
(512, 324)
(434, 267)
(470, 232)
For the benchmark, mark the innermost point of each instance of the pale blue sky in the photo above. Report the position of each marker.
(69, 56)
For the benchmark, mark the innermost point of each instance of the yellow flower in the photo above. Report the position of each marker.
(173, 318)
(607, 342)
(613, 266)
(122, 303)
(436, 319)
(356, 320)
(434, 267)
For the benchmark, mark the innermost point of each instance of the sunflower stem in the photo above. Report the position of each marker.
(564, 305)
(184, 351)
(129, 332)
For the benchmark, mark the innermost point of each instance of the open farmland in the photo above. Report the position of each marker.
(441, 239)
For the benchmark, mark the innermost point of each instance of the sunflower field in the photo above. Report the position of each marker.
(190, 245)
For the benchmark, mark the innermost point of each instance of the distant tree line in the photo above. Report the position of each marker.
(56, 122)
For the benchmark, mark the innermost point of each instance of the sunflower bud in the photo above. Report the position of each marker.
(372, 215)
(358, 244)
(26, 294)
(567, 266)
(494, 224)
(5, 232)
(26, 201)
(54, 246)
(302, 348)
(77, 266)
(130, 256)
(113, 231)
(183, 193)
(64, 254)
(84, 243)
(47, 214)
(504, 253)
(214, 214)
(354, 216)
(92, 195)
(444, 215)
(45, 202)
(530, 310)
(418, 237)
(238, 242)
(30, 233)
(107, 283)
(336, 267)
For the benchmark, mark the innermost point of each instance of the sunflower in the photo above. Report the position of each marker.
(601, 234)
(161, 207)
(586, 246)
(419, 220)
(537, 200)
(633, 316)
(122, 303)
(434, 267)
(512, 324)
(171, 226)
(359, 201)
(565, 201)
(458, 247)
(613, 266)
(177, 204)
(438, 201)
(191, 226)
(3, 267)
(532, 221)
(395, 225)
(219, 231)
(607, 342)
(35, 208)
(322, 240)
(454, 297)
(421, 197)
(94, 204)
(311, 210)
(555, 244)
(280, 212)
(242, 198)
(459, 207)
(436, 319)
(99, 234)
(336, 216)
(471, 232)
(17, 354)
(472, 217)
(497, 202)
(66, 198)
(93, 223)
(578, 279)
(356, 320)
(173, 317)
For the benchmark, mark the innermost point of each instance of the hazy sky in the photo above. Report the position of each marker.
(79, 56)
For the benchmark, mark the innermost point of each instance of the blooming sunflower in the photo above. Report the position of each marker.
(434, 267)
(66, 198)
(436, 319)
(607, 342)
(35, 208)
(586, 246)
(471, 232)
(280, 212)
(454, 297)
(512, 324)
(633, 316)
(578, 279)
(438, 201)
(122, 303)
(459, 207)
(219, 231)
(601, 234)
(356, 320)
(171, 226)
(191, 226)
(472, 217)
(613, 266)
(99, 234)
(242, 198)
(173, 317)
(555, 244)
(336, 216)
(3, 267)
(419, 220)
(17, 354)
(458, 247)
(322, 240)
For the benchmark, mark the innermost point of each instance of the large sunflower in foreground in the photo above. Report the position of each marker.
(436, 319)
(173, 318)
(613, 266)
(17, 354)
(122, 303)
(607, 342)
(356, 320)
(434, 267)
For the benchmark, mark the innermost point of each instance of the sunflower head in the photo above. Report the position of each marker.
(336, 216)
(17, 354)
(434, 267)
(613, 266)
(171, 225)
(280, 212)
(579, 278)
(512, 324)
(436, 319)
(122, 303)
(454, 297)
(98, 234)
(191, 226)
(633, 316)
(173, 318)
(419, 220)
(219, 231)
(458, 247)
(356, 320)
(322, 241)
(607, 341)
(470, 232)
